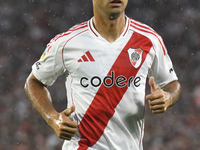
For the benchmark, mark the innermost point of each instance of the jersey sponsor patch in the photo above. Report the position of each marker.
(44, 54)
(135, 56)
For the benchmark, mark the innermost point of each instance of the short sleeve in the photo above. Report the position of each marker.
(162, 69)
(50, 65)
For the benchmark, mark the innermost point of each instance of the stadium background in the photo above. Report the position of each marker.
(26, 26)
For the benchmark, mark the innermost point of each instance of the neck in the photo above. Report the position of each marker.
(110, 28)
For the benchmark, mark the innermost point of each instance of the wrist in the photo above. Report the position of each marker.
(51, 117)
(170, 99)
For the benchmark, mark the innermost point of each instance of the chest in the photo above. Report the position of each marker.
(95, 57)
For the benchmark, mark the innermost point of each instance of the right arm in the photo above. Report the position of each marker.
(41, 100)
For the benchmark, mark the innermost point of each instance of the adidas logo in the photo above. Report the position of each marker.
(86, 57)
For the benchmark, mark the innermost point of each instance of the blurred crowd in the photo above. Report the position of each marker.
(26, 26)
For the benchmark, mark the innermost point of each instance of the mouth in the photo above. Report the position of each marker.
(116, 1)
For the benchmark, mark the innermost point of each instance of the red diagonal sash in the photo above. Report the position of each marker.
(104, 103)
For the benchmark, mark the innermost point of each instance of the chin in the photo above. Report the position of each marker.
(116, 15)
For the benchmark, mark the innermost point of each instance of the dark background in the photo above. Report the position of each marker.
(26, 26)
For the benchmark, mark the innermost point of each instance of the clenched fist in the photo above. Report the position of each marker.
(159, 100)
(63, 126)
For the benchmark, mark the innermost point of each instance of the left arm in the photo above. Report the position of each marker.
(161, 98)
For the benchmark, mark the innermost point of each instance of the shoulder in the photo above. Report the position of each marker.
(149, 32)
(143, 28)
(76, 29)
(60, 39)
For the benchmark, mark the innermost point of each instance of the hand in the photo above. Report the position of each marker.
(63, 126)
(159, 100)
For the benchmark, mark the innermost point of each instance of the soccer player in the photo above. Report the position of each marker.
(106, 61)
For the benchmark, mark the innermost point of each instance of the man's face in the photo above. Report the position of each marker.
(109, 7)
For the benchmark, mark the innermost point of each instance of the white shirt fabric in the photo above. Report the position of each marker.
(106, 82)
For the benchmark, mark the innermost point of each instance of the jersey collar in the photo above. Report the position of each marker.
(96, 33)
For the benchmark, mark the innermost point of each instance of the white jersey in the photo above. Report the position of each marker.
(106, 82)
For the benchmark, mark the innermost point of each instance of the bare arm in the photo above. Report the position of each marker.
(42, 102)
(161, 99)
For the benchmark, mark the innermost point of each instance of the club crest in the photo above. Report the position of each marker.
(135, 56)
